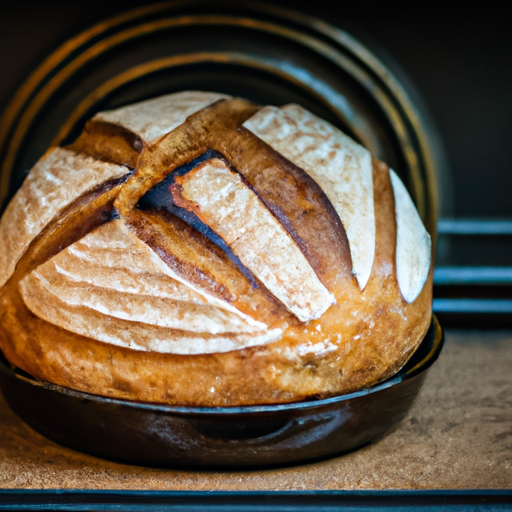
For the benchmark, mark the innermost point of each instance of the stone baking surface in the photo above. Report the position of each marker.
(458, 435)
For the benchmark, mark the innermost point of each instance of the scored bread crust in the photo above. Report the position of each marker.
(56, 324)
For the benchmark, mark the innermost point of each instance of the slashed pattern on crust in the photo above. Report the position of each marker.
(110, 274)
(59, 178)
(224, 202)
(341, 167)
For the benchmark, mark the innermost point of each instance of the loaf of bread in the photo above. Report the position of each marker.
(198, 249)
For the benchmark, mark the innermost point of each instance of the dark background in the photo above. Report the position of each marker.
(458, 58)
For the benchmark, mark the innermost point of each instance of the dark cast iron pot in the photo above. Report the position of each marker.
(219, 437)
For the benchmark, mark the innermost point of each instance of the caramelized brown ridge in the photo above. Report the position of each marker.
(295, 199)
(109, 142)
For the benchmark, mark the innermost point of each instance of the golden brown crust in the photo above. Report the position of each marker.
(288, 370)
(109, 142)
(361, 339)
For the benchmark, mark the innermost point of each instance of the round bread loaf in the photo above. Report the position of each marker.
(197, 249)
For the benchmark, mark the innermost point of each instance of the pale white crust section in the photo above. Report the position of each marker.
(147, 309)
(110, 278)
(153, 118)
(341, 167)
(134, 335)
(413, 245)
(234, 211)
(59, 178)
